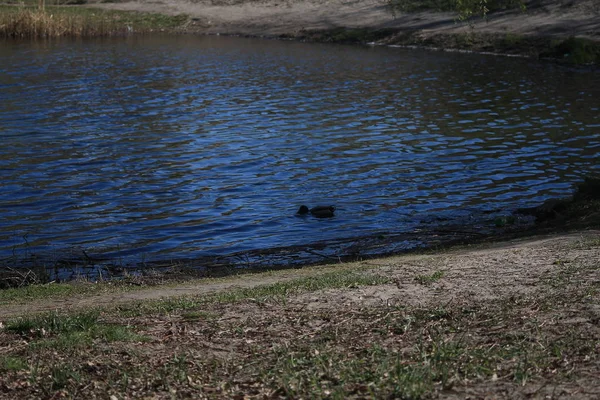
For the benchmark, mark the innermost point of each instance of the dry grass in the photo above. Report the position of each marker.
(26, 23)
(29, 22)
(530, 331)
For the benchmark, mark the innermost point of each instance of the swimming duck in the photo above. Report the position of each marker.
(319, 211)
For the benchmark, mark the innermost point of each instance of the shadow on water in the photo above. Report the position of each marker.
(76, 263)
(581, 210)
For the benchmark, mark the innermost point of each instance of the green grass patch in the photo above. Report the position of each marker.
(65, 331)
(436, 360)
(429, 279)
(12, 363)
(276, 291)
(49, 291)
(33, 292)
(83, 339)
(53, 323)
(374, 372)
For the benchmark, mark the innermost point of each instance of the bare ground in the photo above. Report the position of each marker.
(559, 18)
(518, 319)
(488, 273)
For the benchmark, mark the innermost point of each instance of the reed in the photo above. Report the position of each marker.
(52, 21)
(25, 23)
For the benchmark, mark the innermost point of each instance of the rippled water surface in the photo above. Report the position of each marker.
(179, 147)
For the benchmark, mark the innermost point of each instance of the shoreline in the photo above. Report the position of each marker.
(578, 212)
(556, 30)
(542, 31)
(107, 293)
(554, 217)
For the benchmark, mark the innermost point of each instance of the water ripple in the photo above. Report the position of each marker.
(191, 146)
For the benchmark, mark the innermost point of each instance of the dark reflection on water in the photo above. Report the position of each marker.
(169, 147)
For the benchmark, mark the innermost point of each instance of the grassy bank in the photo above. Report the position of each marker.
(465, 9)
(72, 21)
(352, 333)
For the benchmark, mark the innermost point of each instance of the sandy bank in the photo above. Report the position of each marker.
(556, 18)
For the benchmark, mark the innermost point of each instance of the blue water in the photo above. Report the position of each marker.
(167, 147)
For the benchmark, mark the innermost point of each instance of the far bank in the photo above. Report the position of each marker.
(545, 29)
(556, 29)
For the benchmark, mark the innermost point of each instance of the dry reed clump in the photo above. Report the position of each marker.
(27, 23)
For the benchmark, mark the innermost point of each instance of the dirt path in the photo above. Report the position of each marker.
(276, 17)
(192, 288)
(469, 275)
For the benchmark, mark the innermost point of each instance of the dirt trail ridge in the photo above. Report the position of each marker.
(491, 272)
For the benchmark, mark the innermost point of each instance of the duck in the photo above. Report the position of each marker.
(318, 212)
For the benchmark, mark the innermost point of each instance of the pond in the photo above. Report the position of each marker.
(179, 147)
